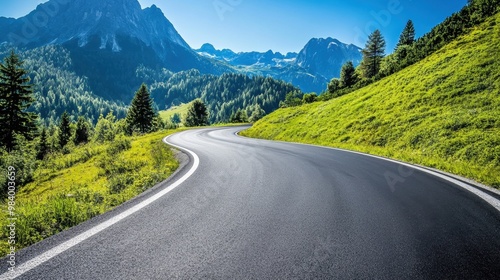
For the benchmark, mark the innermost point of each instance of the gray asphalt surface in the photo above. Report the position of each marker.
(258, 209)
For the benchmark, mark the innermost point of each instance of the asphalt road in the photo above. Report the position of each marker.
(257, 209)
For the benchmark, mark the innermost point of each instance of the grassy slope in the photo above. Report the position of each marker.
(181, 109)
(91, 180)
(443, 112)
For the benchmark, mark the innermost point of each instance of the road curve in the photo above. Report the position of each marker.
(255, 209)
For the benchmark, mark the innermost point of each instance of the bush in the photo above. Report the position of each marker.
(24, 162)
(118, 146)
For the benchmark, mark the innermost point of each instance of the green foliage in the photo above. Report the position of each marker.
(334, 85)
(407, 37)
(43, 148)
(105, 129)
(16, 96)
(64, 130)
(348, 75)
(23, 160)
(176, 119)
(57, 88)
(82, 132)
(65, 190)
(197, 114)
(257, 113)
(223, 95)
(140, 115)
(239, 116)
(292, 99)
(309, 98)
(373, 53)
(442, 112)
(119, 145)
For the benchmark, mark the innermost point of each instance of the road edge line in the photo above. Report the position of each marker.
(467, 186)
(51, 253)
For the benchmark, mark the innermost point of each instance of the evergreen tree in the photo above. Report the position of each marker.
(197, 114)
(348, 75)
(64, 129)
(407, 37)
(373, 53)
(16, 95)
(141, 114)
(82, 132)
(43, 146)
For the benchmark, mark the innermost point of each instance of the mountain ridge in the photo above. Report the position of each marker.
(311, 68)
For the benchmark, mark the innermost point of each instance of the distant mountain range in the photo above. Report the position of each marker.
(310, 69)
(109, 40)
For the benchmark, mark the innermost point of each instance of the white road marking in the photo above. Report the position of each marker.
(483, 195)
(38, 260)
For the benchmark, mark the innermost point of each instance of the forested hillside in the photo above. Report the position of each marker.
(224, 95)
(58, 89)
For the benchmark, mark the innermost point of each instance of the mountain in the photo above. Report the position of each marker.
(443, 111)
(310, 69)
(265, 59)
(325, 57)
(115, 36)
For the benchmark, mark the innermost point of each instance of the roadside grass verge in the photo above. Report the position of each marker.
(93, 179)
(443, 112)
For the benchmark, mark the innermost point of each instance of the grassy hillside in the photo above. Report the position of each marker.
(69, 189)
(181, 109)
(442, 112)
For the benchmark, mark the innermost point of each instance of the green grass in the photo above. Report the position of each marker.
(442, 112)
(92, 179)
(181, 109)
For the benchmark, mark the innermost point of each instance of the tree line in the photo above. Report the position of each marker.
(56, 88)
(223, 95)
(376, 65)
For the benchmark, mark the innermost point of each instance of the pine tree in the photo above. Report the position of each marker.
(64, 129)
(373, 53)
(16, 95)
(82, 131)
(141, 114)
(348, 75)
(197, 114)
(43, 146)
(407, 37)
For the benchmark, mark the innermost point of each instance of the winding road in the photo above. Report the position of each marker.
(254, 209)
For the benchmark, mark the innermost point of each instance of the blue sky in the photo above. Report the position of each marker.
(285, 25)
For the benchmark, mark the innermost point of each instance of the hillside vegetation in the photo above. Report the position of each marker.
(442, 112)
(68, 189)
(224, 95)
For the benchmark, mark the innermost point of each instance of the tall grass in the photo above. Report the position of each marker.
(90, 180)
